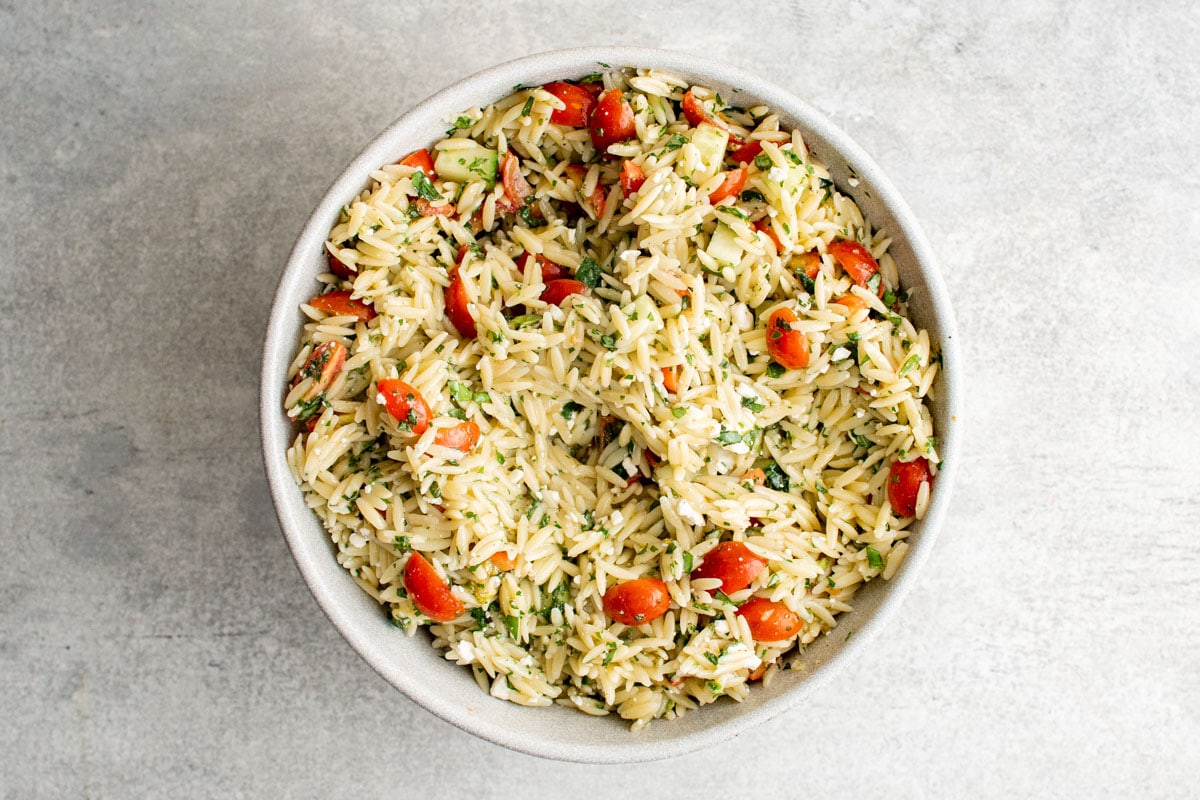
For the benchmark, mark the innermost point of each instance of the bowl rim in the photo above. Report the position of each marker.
(491, 83)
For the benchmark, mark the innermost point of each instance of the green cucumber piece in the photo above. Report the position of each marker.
(467, 164)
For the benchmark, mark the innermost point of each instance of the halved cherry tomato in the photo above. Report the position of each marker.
(632, 177)
(516, 188)
(852, 302)
(502, 560)
(405, 404)
(594, 88)
(429, 591)
(903, 483)
(340, 268)
(809, 263)
(463, 436)
(612, 120)
(422, 160)
(732, 563)
(735, 179)
(428, 209)
(457, 309)
(694, 110)
(758, 672)
(669, 381)
(559, 290)
(579, 102)
(770, 621)
(638, 601)
(323, 366)
(550, 270)
(745, 152)
(341, 304)
(756, 476)
(787, 347)
(577, 173)
(764, 226)
(857, 261)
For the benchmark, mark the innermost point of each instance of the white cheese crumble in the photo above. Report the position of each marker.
(777, 174)
(741, 448)
(839, 354)
(742, 319)
(689, 514)
(617, 518)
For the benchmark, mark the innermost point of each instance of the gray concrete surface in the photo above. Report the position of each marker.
(156, 161)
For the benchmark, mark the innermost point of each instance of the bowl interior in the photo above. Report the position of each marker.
(411, 664)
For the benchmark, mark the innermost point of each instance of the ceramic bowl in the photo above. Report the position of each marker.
(410, 663)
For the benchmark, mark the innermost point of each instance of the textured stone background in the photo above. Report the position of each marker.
(156, 162)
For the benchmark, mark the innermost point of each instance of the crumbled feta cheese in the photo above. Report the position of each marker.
(777, 174)
(465, 650)
(839, 354)
(859, 413)
(629, 466)
(629, 255)
(551, 498)
(743, 319)
(689, 514)
(745, 391)
(741, 448)
(617, 518)
(721, 627)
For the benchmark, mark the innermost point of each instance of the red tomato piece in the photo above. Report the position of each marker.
(669, 381)
(734, 181)
(745, 152)
(734, 564)
(594, 88)
(638, 601)
(770, 621)
(577, 173)
(755, 476)
(852, 302)
(405, 404)
(632, 177)
(787, 347)
(550, 270)
(428, 209)
(694, 109)
(430, 592)
(858, 262)
(322, 365)
(809, 263)
(341, 304)
(339, 267)
(502, 560)
(579, 102)
(516, 188)
(904, 482)
(558, 290)
(764, 226)
(463, 436)
(457, 309)
(612, 120)
(422, 160)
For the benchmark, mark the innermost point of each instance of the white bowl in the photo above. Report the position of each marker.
(410, 663)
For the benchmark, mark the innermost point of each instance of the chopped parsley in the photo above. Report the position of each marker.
(570, 409)
(909, 365)
(461, 123)
(874, 559)
(528, 107)
(762, 161)
(588, 273)
(753, 403)
(776, 478)
(775, 370)
(424, 187)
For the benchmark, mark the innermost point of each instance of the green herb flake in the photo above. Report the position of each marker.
(570, 409)
(910, 363)
(513, 623)
(753, 403)
(528, 107)
(762, 161)
(776, 478)
(729, 437)
(424, 187)
(688, 560)
(874, 559)
(461, 123)
(775, 370)
(678, 413)
(588, 273)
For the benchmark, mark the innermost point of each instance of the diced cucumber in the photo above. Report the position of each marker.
(723, 246)
(711, 142)
(467, 164)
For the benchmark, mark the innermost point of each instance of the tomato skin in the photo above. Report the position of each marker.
(422, 160)
(809, 263)
(577, 173)
(638, 601)
(612, 120)
(405, 404)
(502, 560)
(463, 436)
(340, 303)
(429, 592)
(516, 188)
(745, 152)
(340, 268)
(734, 564)
(550, 270)
(857, 260)
(764, 226)
(558, 290)
(787, 347)
(670, 382)
(322, 365)
(755, 476)
(632, 177)
(770, 621)
(852, 302)
(735, 179)
(693, 109)
(428, 209)
(457, 309)
(904, 482)
(579, 103)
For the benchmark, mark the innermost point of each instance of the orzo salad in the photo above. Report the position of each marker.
(613, 391)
